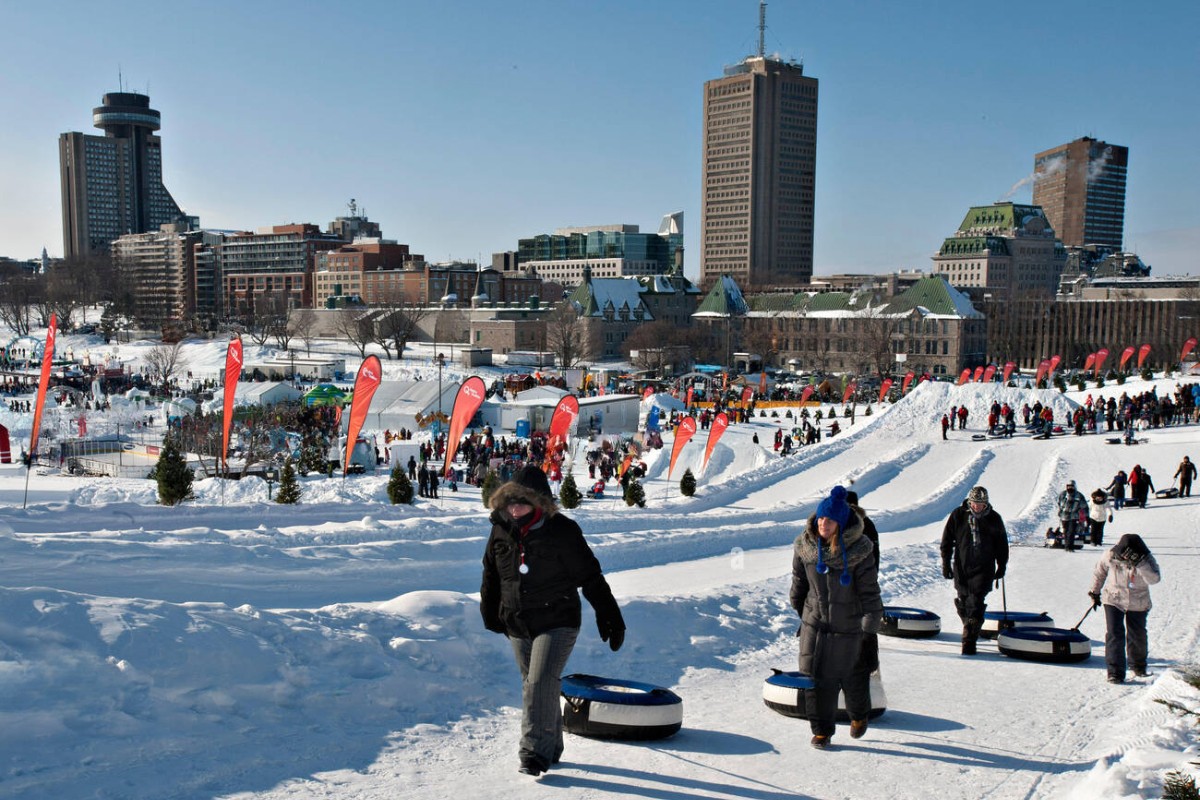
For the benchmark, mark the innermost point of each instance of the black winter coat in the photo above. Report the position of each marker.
(560, 562)
(976, 562)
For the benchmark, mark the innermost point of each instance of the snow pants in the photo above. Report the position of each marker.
(833, 662)
(1070, 529)
(971, 605)
(1097, 531)
(1126, 634)
(542, 660)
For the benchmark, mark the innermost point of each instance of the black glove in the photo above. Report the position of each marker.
(612, 629)
(947, 572)
(1000, 574)
(1095, 599)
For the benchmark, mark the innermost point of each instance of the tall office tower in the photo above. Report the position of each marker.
(1081, 187)
(760, 156)
(112, 184)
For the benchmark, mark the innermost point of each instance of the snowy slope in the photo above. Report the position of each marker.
(232, 648)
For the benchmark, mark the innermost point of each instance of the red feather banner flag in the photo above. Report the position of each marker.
(365, 384)
(1188, 346)
(989, 373)
(719, 424)
(687, 403)
(883, 389)
(908, 376)
(1125, 355)
(466, 403)
(762, 384)
(978, 375)
(966, 374)
(849, 391)
(1087, 362)
(747, 393)
(43, 385)
(233, 371)
(1101, 354)
(1054, 362)
(685, 431)
(562, 422)
(1009, 366)
(805, 394)
(1143, 351)
(1043, 368)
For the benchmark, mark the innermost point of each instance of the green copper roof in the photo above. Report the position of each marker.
(1002, 218)
(936, 296)
(777, 301)
(831, 301)
(974, 246)
(723, 300)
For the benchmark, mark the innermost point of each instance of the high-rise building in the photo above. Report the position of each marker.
(1081, 187)
(608, 251)
(1005, 247)
(112, 184)
(758, 177)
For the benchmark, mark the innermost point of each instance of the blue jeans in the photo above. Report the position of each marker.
(542, 660)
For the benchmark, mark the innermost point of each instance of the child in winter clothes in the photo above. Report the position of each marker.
(835, 588)
(1126, 603)
(1099, 511)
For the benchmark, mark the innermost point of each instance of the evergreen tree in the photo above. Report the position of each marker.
(312, 457)
(491, 482)
(399, 488)
(289, 488)
(569, 494)
(172, 474)
(635, 494)
(687, 484)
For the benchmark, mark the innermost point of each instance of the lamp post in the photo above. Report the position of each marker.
(441, 362)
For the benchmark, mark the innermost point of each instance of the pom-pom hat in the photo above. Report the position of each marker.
(837, 509)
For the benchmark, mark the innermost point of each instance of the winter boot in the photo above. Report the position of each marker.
(820, 742)
(857, 728)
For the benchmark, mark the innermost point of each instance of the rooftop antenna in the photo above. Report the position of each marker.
(762, 28)
(120, 79)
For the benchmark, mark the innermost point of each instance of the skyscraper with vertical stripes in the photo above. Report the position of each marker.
(1081, 187)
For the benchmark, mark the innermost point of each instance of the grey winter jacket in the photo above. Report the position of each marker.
(1070, 503)
(1129, 589)
(834, 616)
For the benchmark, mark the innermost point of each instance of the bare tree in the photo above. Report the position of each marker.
(660, 345)
(163, 362)
(875, 339)
(357, 326)
(397, 325)
(303, 324)
(567, 336)
(18, 296)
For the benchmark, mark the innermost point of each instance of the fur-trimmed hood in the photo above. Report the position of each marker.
(512, 492)
(858, 546)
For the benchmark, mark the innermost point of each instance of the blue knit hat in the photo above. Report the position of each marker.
(835, 508)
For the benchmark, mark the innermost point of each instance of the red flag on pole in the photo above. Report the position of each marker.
(989, 373)
(719, 424)
(805, 394)
(688, 402)
(43, 384)
(747, 393)
(1087, 362)
(1143, 351)
(466, 403)
(762, 384)
(966, 374)
(5, 449)
(908, 377)
(1054, 362)
(849, 391)
(1043, 368)
(883, 389)
(562, 422)
(1188, 346)
(1009, 366)
(1125, 355)
(1101, 354)
(233, 371)
(978, 376)
(365, 384)
(685, 431)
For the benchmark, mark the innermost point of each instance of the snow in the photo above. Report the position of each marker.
(233, 648)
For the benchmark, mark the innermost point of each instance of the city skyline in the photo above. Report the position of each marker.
(460, 130)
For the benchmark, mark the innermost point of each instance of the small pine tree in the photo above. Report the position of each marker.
(868, 412)
(400, 488)
(569, 494)
(491, 482)
(1180, 786)
(1100, 382)
(312, 458)
(1147, 374)
(687, 484)
(635, 494)
(289, 489)
(172, 474)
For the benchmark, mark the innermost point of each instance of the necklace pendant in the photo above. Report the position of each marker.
(523, 569)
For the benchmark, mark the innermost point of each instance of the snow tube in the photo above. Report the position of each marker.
(1053, 645)
(996, 622)
(1167, 494)
(609, 708)
(784, 692)
(978, 437)
(910, 623)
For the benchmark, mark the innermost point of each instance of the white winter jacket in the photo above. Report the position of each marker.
(1098, 512)
(1129, 587)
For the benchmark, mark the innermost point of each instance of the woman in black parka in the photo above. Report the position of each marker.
(835, 587)
(535, 562)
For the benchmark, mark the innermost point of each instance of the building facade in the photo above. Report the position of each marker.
(271, 265)
(758, 175)
(607, 251)
(112, 184)
(159, 271)
(1081, 187)
(1005, 247)
(358, 269)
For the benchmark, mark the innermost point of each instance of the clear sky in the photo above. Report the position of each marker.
(462, 126)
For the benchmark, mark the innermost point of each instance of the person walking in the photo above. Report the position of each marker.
(945, 425)
(535, 561)
(1117, 489)
(1072, 509)
(1126, 601)
(835, 589)
(1098, 512)
(868, 657)
(1140, 486)
(974, 556)
(1185, 473)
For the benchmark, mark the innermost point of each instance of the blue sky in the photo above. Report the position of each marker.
(462, 126)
